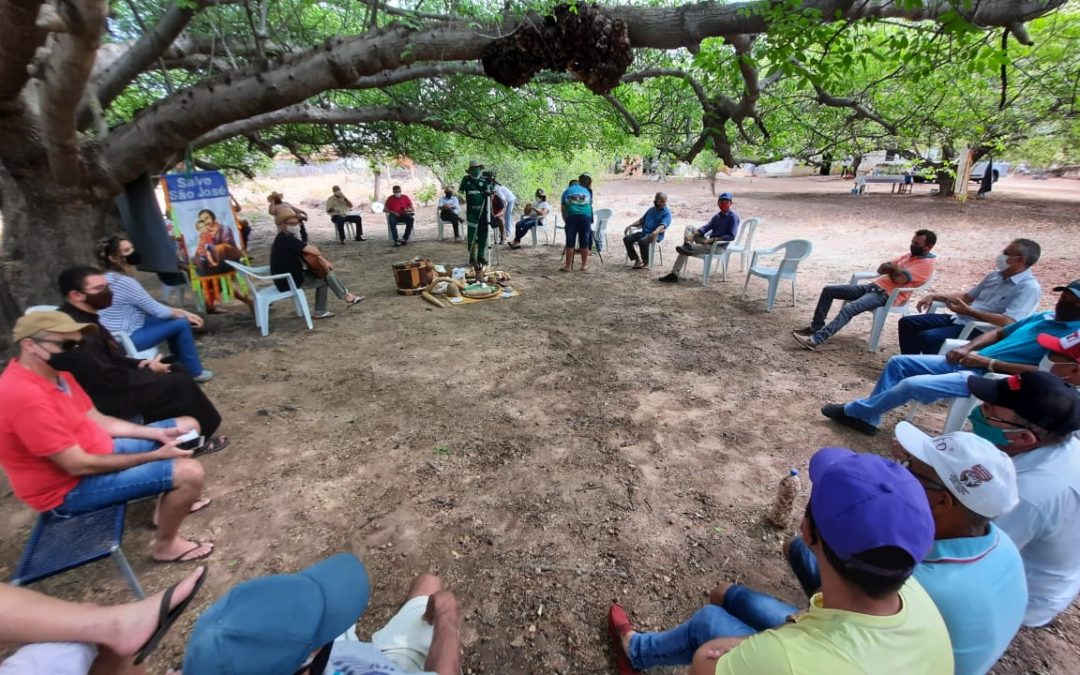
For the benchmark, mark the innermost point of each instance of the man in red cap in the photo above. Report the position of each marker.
(1064, 356)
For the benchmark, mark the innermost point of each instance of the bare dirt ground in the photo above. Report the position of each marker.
(601, 438)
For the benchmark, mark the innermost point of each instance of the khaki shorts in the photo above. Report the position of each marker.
(406, 639)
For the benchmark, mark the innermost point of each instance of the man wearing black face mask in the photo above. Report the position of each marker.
(1034, 417)
(926, 378)
(1007, 294)
(911, 269)
(124, 387)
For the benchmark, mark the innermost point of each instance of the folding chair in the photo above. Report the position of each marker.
(60, 544)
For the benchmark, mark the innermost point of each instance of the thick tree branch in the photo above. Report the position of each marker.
(144, 52)
(66, 73)
(860, 109)
(647, 73)
(19, 39)
(417, 71)
(166, 127)
(305, 113)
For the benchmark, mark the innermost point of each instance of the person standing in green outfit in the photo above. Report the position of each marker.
(476, 188)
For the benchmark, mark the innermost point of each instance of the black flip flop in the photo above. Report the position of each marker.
(215, 444)
(167, 617)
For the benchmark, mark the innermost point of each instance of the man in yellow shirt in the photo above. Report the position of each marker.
(868, 524)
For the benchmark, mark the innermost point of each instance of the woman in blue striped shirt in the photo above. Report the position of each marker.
(144, 319)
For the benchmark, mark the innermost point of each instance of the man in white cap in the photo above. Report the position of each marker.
(1034, 418)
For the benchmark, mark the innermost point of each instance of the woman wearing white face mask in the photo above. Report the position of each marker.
(1006, 295)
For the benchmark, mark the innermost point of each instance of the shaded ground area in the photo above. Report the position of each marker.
(603, 437)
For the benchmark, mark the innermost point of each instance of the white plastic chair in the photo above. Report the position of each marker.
(379, 207)
(718, 252)
(969, 328)
(268, 295)
(180, 291)
(891, 305)
(601, 219)
(542, 225)
(557, 226)
(132, 351)
(795, 251)
(441, 223)
(656, 253)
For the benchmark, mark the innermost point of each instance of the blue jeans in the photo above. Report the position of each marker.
(922, 378)
(394, 220)
(861, 298)
(805, 566)
(745, 612)
(925, 333)
(105, 489)
(177, 332)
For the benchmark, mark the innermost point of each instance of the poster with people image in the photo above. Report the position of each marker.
(203, 219)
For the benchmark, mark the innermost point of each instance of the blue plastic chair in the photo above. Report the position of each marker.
(60, 544)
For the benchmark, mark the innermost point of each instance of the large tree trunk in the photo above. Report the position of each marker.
(46, 228)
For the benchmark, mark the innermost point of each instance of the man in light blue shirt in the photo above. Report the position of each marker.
(652, 225)
(1008, 294)
(927, 378)
(974, 572)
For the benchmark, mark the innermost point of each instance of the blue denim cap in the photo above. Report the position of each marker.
(725, 195)
(273, 624)
(863, 501)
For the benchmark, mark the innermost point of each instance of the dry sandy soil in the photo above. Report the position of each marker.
(601, 438)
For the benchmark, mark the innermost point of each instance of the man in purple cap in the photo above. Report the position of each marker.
(868, 525)
(973, 573)
(304, 623)
(1034, 418)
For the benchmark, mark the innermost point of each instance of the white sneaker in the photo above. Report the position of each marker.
(205, 376)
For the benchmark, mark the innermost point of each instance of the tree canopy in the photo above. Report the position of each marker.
(94, 94)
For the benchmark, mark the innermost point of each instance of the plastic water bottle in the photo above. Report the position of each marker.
(786, 492)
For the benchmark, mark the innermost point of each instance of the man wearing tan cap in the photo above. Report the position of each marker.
(62, 455)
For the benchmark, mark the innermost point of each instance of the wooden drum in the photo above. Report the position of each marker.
(413, 276)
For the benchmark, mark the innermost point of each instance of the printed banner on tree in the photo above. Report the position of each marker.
(201, 213)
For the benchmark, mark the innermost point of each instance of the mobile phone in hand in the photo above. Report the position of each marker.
(189, 441)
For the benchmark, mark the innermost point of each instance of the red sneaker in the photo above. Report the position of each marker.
(619, 625)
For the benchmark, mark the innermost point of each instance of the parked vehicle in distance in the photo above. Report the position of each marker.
(1000, 169)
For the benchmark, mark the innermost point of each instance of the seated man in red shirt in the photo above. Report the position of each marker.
(399, 209)
(910, 269)
(62, 455)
